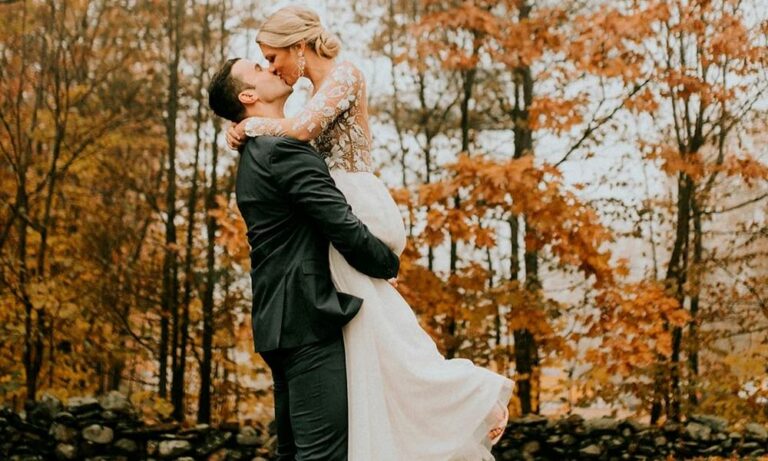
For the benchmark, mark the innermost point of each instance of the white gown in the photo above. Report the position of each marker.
(406, 401)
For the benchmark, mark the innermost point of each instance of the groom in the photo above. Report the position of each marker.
(293, 211)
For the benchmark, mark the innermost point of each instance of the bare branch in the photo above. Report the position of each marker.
(592, 128)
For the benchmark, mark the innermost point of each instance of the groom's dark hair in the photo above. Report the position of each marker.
(223, 91)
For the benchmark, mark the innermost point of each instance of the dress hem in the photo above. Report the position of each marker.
(478, 446)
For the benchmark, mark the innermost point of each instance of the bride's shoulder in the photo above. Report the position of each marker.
(347, 72)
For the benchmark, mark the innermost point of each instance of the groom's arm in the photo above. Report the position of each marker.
(304, 176)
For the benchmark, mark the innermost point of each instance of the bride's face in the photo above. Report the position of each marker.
(283, 62)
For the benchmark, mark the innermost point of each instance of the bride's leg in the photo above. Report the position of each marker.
(502, 414)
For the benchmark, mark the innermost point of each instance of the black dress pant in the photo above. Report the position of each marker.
(310, 400)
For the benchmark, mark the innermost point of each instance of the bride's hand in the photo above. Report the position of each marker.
(393, 282)
(236, 135)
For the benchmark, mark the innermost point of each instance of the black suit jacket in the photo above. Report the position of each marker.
(293, 210)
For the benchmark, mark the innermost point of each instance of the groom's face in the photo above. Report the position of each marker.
(268, 86)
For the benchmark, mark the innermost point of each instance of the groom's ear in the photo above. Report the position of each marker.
(248, 96)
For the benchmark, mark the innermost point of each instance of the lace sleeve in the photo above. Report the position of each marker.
(339, 92)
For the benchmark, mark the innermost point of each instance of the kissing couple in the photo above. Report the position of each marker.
(355, 375)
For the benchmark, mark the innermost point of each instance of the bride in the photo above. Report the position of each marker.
(406, 401)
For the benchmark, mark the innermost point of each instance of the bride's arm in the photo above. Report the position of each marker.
(341, 91)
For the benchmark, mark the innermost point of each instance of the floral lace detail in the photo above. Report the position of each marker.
(335, 119)
(255, 126)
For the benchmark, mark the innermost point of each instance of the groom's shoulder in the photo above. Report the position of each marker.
(276, 153)
(261, 145)
(292, 150)
(269, 145)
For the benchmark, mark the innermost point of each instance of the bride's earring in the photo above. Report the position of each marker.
(302, 62)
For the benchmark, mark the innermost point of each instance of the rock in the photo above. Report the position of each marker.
(601, 425)
(29, 428)
(65, 451)
(66, 418)
(591, 451)
(189, 436)
(698, 432)
(248, 437)
(727, 444)
(711, 451)
(714, 422)
(234, 455)
(174, 448)
(62, 433)
(213, 441)
(531, 448)
(530, 420)
(126, 425)
(569, 440)
(148, 432)
(86, 418)
(185, 458)
(660, 441)
(197, 431)
(511, 455)
(116, 402)
(98, 434)
(259, 458)
(614, 442)
(754, 431)
(634, 426)
(126, 445)
(41, 413)
(671, 427)
(80, 405)
(218, 455)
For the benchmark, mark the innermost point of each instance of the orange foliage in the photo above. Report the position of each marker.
(560, 220)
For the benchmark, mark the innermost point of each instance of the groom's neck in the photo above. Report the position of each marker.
(267, 111)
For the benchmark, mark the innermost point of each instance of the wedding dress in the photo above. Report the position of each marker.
(406, 401)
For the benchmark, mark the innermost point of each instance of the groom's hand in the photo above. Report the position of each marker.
(235, 136)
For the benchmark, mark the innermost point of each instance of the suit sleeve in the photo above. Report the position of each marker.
(303, 175)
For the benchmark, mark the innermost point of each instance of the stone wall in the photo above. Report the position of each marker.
(109, 429)
(573, 438)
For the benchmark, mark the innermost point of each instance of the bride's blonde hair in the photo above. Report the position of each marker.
(292, 24)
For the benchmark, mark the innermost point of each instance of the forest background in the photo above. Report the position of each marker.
(584, 184)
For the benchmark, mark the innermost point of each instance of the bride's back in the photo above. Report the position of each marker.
(345, 139)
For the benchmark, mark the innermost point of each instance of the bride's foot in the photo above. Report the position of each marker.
(502, 414)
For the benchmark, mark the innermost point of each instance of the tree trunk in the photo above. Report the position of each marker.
(179, 371)
(170, 263)
(693, 337)
(667, 386)
(33, 339)
(204, 407)
(526, 346)
(427, 154)
(204, 401)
